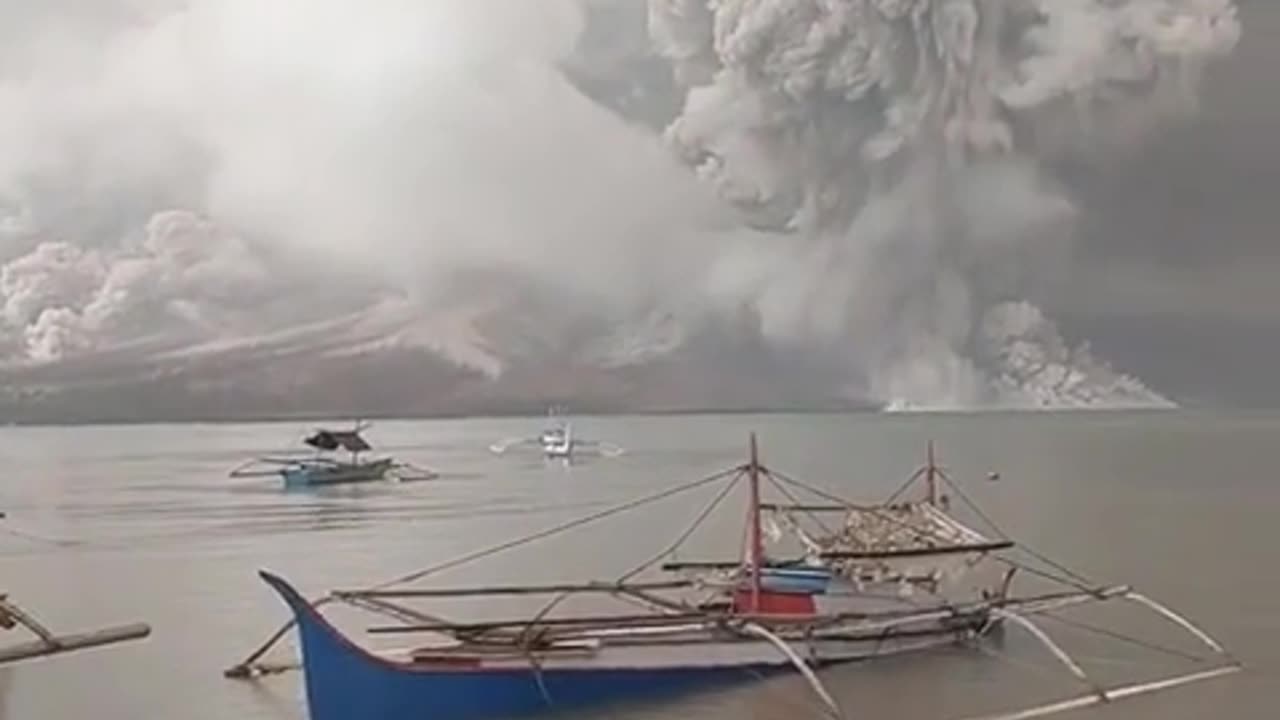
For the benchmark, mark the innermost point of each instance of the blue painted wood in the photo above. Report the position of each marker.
(345, 682)
(306, 473)
(801, 581)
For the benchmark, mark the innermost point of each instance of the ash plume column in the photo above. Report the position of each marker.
(892, 146)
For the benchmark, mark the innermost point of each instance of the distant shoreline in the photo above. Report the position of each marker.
(337, 418)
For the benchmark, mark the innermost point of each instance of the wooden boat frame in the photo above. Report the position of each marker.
(48, 643)
(556, 653)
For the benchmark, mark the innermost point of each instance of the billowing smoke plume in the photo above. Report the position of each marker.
(183, 174)
(896, 141)
(375, 155)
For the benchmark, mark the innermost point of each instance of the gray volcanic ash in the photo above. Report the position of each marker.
(789, 203)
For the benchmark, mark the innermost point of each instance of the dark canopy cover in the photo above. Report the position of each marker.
(348, 440)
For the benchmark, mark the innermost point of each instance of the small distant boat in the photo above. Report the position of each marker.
(558, 442)
(711, 623)
(321, 469)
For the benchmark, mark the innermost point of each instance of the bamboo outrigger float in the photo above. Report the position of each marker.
(47, 642)
(887, 581)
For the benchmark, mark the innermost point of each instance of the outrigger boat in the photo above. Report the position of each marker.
(703, 623)
(557, 442)
(320, 469)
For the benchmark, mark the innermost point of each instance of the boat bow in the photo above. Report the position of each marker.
(345, 682)
(876, 583)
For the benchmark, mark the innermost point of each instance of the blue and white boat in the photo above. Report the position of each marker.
(323, 468)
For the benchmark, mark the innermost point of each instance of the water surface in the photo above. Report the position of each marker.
(124, 523)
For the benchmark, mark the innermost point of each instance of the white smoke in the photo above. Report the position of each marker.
(178, 171)
(383, 145)
(185, 278)
(898, 139)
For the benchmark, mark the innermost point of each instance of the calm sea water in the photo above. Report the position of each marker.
(117, 524)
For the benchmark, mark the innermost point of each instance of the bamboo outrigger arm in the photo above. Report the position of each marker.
(1180, 621)
(1056, 649)
(760, 631)
(1104, 695)
(50, 643)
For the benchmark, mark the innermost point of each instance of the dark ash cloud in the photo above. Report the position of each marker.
(186, 204)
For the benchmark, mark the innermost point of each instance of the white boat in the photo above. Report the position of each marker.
(558, 442)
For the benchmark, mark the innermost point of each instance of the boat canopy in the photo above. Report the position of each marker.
(348, 440)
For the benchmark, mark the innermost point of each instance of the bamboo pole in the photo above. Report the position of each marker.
(803, 507)
(1112, 695)
(58, 644)
(833, 708)
(1062, 655)
(603, 620)
(609, 588)
(887, 618)
(959, 549)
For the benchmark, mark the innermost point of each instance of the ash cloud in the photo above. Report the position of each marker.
(390, 146)
(901, 142)
(864, 178)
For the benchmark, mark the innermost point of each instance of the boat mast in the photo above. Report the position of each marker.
(757, 549)
(931, 476)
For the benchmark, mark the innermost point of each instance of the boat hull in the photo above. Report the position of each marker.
(344, 681)
(313, 475)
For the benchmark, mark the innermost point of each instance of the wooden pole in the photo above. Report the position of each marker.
(757, 548)
(603, 587)
(931, 474)
(882, 618)
(69, 643)
(603, 621)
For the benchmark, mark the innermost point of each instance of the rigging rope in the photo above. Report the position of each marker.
(796, 501)
(684, 536)
(244, 668)
(1115, 635)
(922, 533)
(1079, 581)
(47, 540)
(910, 481)
(1004, 536)
(554, 530)
(671, 548)
(1089, 588)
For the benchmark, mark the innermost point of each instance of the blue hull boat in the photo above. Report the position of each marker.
(346, 682)
(724, 622)
(316, 473)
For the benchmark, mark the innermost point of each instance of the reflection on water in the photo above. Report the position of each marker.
(112, 525)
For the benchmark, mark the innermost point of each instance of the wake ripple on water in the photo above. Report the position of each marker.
(183, 502)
